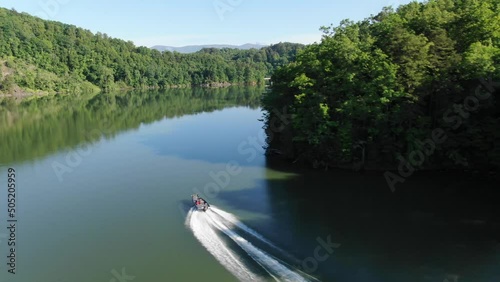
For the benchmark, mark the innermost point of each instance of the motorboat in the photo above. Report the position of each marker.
(199, 202)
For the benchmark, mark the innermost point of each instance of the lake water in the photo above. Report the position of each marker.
(103, 189)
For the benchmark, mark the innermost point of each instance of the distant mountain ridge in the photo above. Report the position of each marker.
(196, 48)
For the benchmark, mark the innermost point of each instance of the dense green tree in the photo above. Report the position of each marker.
(373, 91)
(76, 56)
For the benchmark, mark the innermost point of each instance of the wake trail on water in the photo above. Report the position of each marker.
(216, 246)
(206, 227)
(236, 222)
(232, 219)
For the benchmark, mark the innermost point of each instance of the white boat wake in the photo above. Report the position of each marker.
(207, 226)
(236, 222)
(216, 246)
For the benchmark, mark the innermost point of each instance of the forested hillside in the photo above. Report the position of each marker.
(409, 88)
(36, 55)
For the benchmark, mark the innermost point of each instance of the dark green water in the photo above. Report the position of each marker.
(103, 186)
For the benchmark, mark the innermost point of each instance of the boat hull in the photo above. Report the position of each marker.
(199, 203)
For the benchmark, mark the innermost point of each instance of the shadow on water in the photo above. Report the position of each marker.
(437, 226)
(250, 200)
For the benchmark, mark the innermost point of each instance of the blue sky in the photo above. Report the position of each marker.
(189, 22)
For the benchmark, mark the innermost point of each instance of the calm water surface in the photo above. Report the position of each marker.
(104, 185)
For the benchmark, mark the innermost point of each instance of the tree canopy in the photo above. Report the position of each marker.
(36, 54)
(376, 91)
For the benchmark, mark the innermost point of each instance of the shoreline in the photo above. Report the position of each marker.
(22, 94)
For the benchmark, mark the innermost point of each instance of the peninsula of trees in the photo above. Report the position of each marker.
(411, 88)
